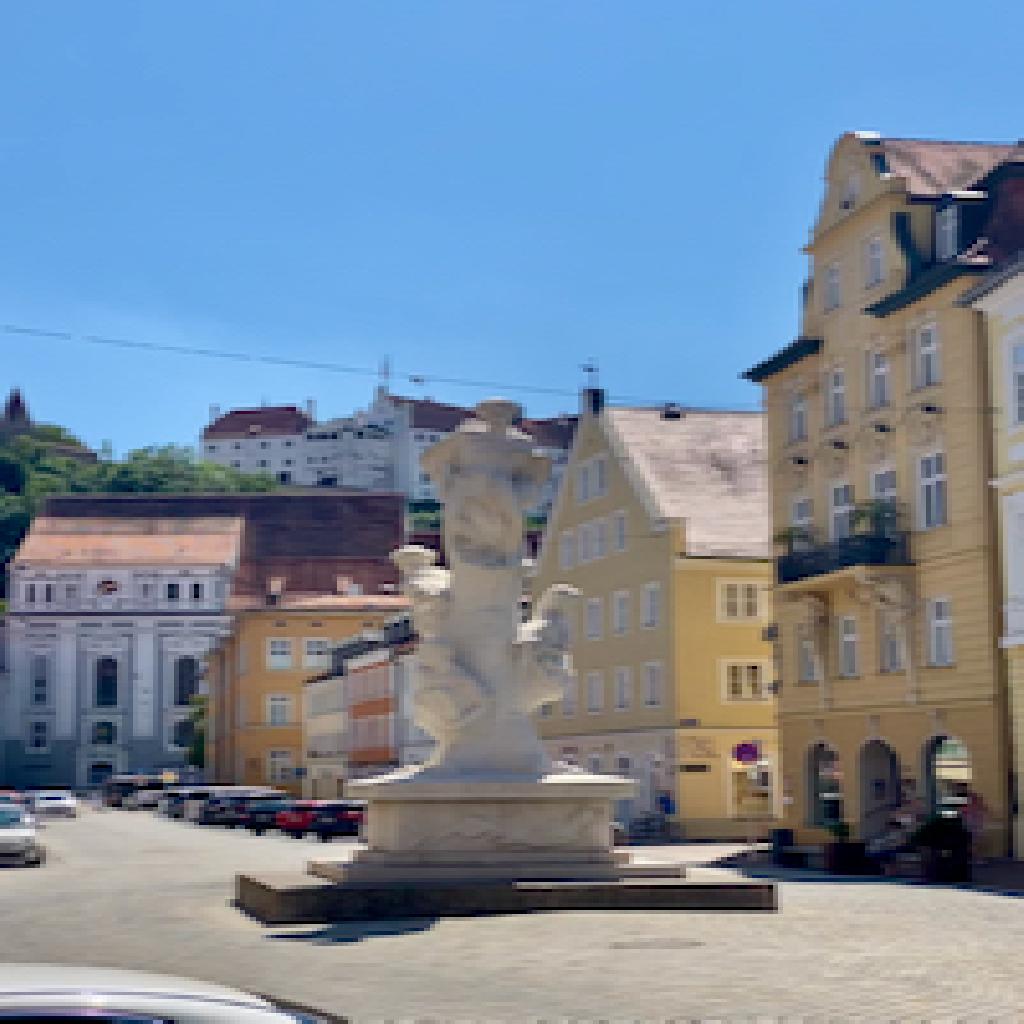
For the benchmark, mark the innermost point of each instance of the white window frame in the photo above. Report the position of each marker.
(599, 535)
(600, 463)
(321, 660)
(797, 417)
(802, 515)
(845, 510)
(620, 612)
(941, 653)
(619, 536)
(738, 591)
(583, 483)
(835, 397)
(595, 692)
(889, 490)
(879, 379)
(570, 698)
(741, 669)
(892, 642)
(651, 611)
(849, 662)
(623, 695)
(927, 356)
(808, 662)
(566, 550)
(947, 232)
(1015, 380)
(584, 547)
(279, 661)
(833, 296)
(933, 490)
(594, 618)
(277, 701)
(874, 261)
(654, 684)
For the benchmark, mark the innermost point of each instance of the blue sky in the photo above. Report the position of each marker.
(475, 189)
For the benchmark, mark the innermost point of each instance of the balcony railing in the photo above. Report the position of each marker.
(878, 539)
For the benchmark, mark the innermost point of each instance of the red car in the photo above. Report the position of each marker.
(324, 818)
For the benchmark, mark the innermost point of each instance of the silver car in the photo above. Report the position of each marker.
(19, 840)
(48, 991)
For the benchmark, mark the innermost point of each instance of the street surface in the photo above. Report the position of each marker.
(127, 889)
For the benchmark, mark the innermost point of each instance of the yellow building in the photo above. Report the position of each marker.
(879, 443)
(663, 525)
(256, 675)
(1000, 297)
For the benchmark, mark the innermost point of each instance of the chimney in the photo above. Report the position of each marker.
(311, 408)
(341, 584)
(214, 413)
(275, 588)
(591, 401)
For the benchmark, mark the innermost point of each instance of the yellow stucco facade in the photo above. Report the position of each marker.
(256, 676)
(652, 650)
(887, 575)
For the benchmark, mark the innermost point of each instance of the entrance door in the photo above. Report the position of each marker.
(880, 793)
(99, 772)
(948, 775)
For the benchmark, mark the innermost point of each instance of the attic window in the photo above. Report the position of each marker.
(946, 233)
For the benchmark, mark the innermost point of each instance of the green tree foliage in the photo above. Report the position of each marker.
(37, 464)
(197, 748)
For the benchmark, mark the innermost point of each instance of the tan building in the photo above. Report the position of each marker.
(880, 446)
(664, 527)
(256, 676)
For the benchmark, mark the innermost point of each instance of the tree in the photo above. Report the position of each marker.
(196, 755)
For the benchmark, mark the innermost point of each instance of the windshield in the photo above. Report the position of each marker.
(10, 817)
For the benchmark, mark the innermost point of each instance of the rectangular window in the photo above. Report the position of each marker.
(836, 396)
(847, 646)
(71, 592)
(798, 418)
(623, 688)
(653, 684)
(619, 530)
(745, 681)
(620, 612)
(600, 476)
(652, 606)
(884, 484)
(316, 653)
(595, 692)
(40, 680)
(751, 600)
(39, 736)
(566, 545)
(569, 700)
(803, 519)
(1017, 384)
(892, 655)
(197, 591)
(841, 520)
(583, 483)
(874, 262)
(279, 709)
(30, 594)
(832, 294)
(933, 490)
(946, 241)
(600, 535)
(594, 617)
(807, 654)
(739, 601)
(583, 543)
(48, 593)
(940, 632)
(279, 766)
(878, 380)
(173, 591)
(927, 370)
(279, 653)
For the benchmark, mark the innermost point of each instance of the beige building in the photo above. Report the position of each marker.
(664, 528)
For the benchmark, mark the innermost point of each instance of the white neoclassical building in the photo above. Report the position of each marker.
(108, 624)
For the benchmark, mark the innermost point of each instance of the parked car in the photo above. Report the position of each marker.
(323, 818)
(235, 808)
(19, 840)
(172, 801)
(57, 803)
(222, 805)
(261, 815)
(70, 992)
(144, 797)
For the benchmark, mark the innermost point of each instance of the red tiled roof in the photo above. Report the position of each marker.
(557, 432)
(430, 415)
(269, 419)
(932, 167)
(320, 602)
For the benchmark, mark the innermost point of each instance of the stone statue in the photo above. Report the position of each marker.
(483, 672)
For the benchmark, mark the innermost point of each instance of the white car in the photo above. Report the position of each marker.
(59, 803)
(66, 992)
(19, 840)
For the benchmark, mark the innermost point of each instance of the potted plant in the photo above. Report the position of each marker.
(945, 846)
(842, 856)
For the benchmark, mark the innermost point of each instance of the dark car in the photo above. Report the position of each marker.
(338, 818)
(261, 815)
(233, 809)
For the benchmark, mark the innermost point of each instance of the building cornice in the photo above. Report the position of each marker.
(793, 353)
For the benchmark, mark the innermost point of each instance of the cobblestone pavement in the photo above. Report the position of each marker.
(128, 889)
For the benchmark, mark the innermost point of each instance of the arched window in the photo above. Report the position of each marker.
(103, 733)
(106, 683)
(824, 786)
(186, 680)
(949, 775)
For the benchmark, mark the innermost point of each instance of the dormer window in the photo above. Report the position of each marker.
(946, 240)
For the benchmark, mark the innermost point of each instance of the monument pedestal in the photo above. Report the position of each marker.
(425, 828)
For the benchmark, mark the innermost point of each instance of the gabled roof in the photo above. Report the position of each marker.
(708, 469)
(87, 541)
(427, 414)
(933, 167)
(268, 420)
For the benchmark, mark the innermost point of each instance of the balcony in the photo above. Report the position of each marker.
(878, 539)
